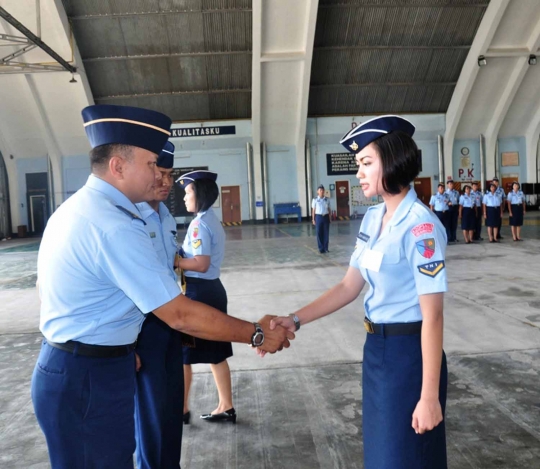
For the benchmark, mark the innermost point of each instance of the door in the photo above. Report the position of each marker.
(422, 187)
(506, 183)
(37, 213)
(230, 205)
(342, 199)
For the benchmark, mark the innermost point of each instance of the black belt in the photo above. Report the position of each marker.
(406, 328)
(200, 280)
(96, 351)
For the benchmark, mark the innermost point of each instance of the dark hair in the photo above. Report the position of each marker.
(400, 160)
(440, 185)
(492, 185)
(515, 182)
(475, 183)
(100, 156)
(206, 193)
(465, 187)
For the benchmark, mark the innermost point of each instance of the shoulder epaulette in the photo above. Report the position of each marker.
(134, 216)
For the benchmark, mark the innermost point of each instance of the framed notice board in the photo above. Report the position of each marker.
(175, 202)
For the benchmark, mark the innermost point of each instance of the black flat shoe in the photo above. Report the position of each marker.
(186, 418)
(227, 416)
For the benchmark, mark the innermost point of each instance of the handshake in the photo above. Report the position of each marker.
(277, 332)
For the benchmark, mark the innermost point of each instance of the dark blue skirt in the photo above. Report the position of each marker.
(493, 218)
(211, 293)
(468, 219)
(517, 215)
(391, 388)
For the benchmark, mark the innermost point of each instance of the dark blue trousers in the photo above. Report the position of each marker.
(85, 408)
(453, 214)
(322, 228)
(391, 388)
(443, 217)
(159, 403)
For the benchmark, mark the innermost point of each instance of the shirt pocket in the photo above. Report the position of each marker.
(391, 257)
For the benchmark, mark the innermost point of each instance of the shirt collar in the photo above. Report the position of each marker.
(404, 208)
(117, 197)
(146, 210)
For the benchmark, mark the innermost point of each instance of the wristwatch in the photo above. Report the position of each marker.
(294, 317)
(257, 339)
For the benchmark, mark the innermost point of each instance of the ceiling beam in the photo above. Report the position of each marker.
(158, 13)
(407, 6)
(164, 56)
(174, 93)
(34, 39)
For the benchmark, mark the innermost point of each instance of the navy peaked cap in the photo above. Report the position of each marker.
(107, 124)
(166, 157)
(188, 178)
(320, 187)
(362, 135)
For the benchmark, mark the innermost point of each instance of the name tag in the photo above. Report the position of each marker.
(363, 236)
(152, 234)
(372, 260)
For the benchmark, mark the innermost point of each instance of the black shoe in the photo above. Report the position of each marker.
(186, 418)
(227, 416)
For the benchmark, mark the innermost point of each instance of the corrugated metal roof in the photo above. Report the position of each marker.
(376, 56)
(190, 59)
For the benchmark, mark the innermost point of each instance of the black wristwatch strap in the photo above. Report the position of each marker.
(257, 339)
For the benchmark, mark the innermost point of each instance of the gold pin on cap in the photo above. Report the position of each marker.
(354, 146)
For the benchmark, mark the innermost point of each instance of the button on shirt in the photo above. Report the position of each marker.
(321, 205)
(205, 237)
(94, 269)
(477, 195)
(413, 246)
(516, 198)
(467, 201)
(440, 202)
(161, 228)
(453, 195)
(491, 200)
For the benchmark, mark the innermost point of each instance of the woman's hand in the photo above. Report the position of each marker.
(427, 415)
(285, 321)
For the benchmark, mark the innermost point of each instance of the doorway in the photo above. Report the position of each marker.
(37, 197)
(422, 187)
(38, 214)
(342, 200)
(230, 205)
(5, 216)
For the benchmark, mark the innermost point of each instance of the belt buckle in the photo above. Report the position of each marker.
(368, 326)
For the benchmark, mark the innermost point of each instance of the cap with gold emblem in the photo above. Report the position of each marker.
(362, 135)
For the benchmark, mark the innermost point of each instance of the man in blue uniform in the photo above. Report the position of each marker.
(477, 194)
(99, 275)
(453, 213)
(439, 203)
(160, 380)
(499, 192)
(320, 216)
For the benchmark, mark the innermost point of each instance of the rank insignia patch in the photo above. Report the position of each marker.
(431, 269)
(196, 243)
(426, 247)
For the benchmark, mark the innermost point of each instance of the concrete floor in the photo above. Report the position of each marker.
(302, 408)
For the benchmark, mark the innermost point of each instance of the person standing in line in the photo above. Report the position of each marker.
(453, 213)
(517, 209)
(203, 251)
(499, 191)
(160, 379)
(467, 213)
(492, 212)
(477, 194)
(320, 216)
(99, 275)
(400, 253)
(439, 204)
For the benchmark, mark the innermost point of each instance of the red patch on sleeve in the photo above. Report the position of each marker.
(423, 228)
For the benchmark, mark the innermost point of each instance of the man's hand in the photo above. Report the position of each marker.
(274, 339)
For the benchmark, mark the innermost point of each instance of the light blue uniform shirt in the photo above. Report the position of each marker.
(477, 197)
(439, 202)
(321, 205)
(500, 193)
(205, 237)
(453, 195)
(468, 201)
(98, 271)
(413, 245)
(516, 197)
(162, 231)
(491, 200)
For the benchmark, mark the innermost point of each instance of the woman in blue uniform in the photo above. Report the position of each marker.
(467, 213)
(492, 206)
(400, 253)
(516, 208)
(203, 251)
